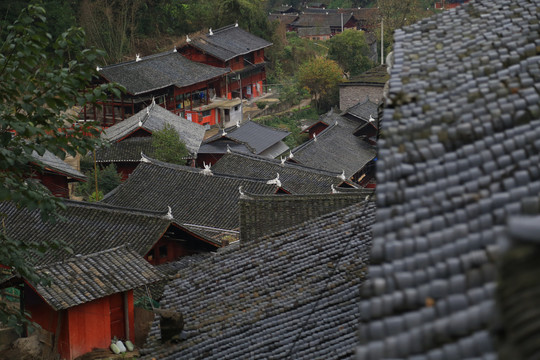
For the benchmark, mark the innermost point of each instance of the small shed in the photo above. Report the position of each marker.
(90, 299)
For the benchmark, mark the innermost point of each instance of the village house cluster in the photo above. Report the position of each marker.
(404, 228)
(242, 183)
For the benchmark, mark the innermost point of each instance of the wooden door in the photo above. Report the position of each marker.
(116, 304)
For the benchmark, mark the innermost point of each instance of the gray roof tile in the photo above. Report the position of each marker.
(86, 228)
(85, 278)
(192, 196)
(228, 42)
(289, 295)
(160, 71)
(475, 147)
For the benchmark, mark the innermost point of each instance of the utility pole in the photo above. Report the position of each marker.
(382, 42)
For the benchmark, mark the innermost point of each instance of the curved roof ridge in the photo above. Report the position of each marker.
(195, 170)
(312, 140)
(77, 257)
(148, 57)
(109, 207)
(289, 164)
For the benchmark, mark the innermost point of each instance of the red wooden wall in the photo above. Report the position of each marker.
(84, 327)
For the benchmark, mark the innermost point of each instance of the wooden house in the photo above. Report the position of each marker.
(337, 149)
(234, 48)
(250, 137)
(168, 78)
(285, 20)
(367, 19)
(56, 174)
(128, 139)
(294, 178)
(315, 33)
(90, 300)
(336, 22)
(366, 115)
(204, 204)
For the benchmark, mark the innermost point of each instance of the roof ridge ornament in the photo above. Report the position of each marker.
(334, 191)
(210, 32)
(207, 170)
(137, 58)
(98, 68)
(236, 23)
(174, 50)
(371, 119)
(283, 159)
(145, 159)
(188, 40)
(224, 132)
(342, 176)
(315, 137)
(275, 181)
(237, 123)
(169, 215)
(290, 154)
(228, 149)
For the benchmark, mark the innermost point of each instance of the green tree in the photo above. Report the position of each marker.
(250, 15)
(168, 146)
(321, 77)
(41, 81)
(351, 51)
(108, 179)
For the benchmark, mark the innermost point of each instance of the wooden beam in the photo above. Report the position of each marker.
(126, 314)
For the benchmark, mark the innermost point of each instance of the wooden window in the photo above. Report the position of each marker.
(163, 251)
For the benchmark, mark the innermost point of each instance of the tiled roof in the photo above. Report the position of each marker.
(86, 228)
(313, 31)
(285, 19)
(363, 111)
(159, 71)
(294, 178)
(199, 203)
(53, 163)
(255, 136)
(518, 288)
(291, 295)
(363, 14)
(377, 76)
(264, 214)
(459, 150)
(128, 150)
(82, 279)
(154, 118)
(321, 20)
(336, 149)
(229, 42)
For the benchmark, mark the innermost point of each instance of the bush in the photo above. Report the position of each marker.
(260, 104)
(108, 180)
(168, 147)
(292, 123)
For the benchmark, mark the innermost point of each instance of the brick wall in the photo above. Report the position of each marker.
(352, 95)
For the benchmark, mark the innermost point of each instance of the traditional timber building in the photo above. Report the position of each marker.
(234, 48)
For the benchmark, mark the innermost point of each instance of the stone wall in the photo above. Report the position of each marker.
(353, 94)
